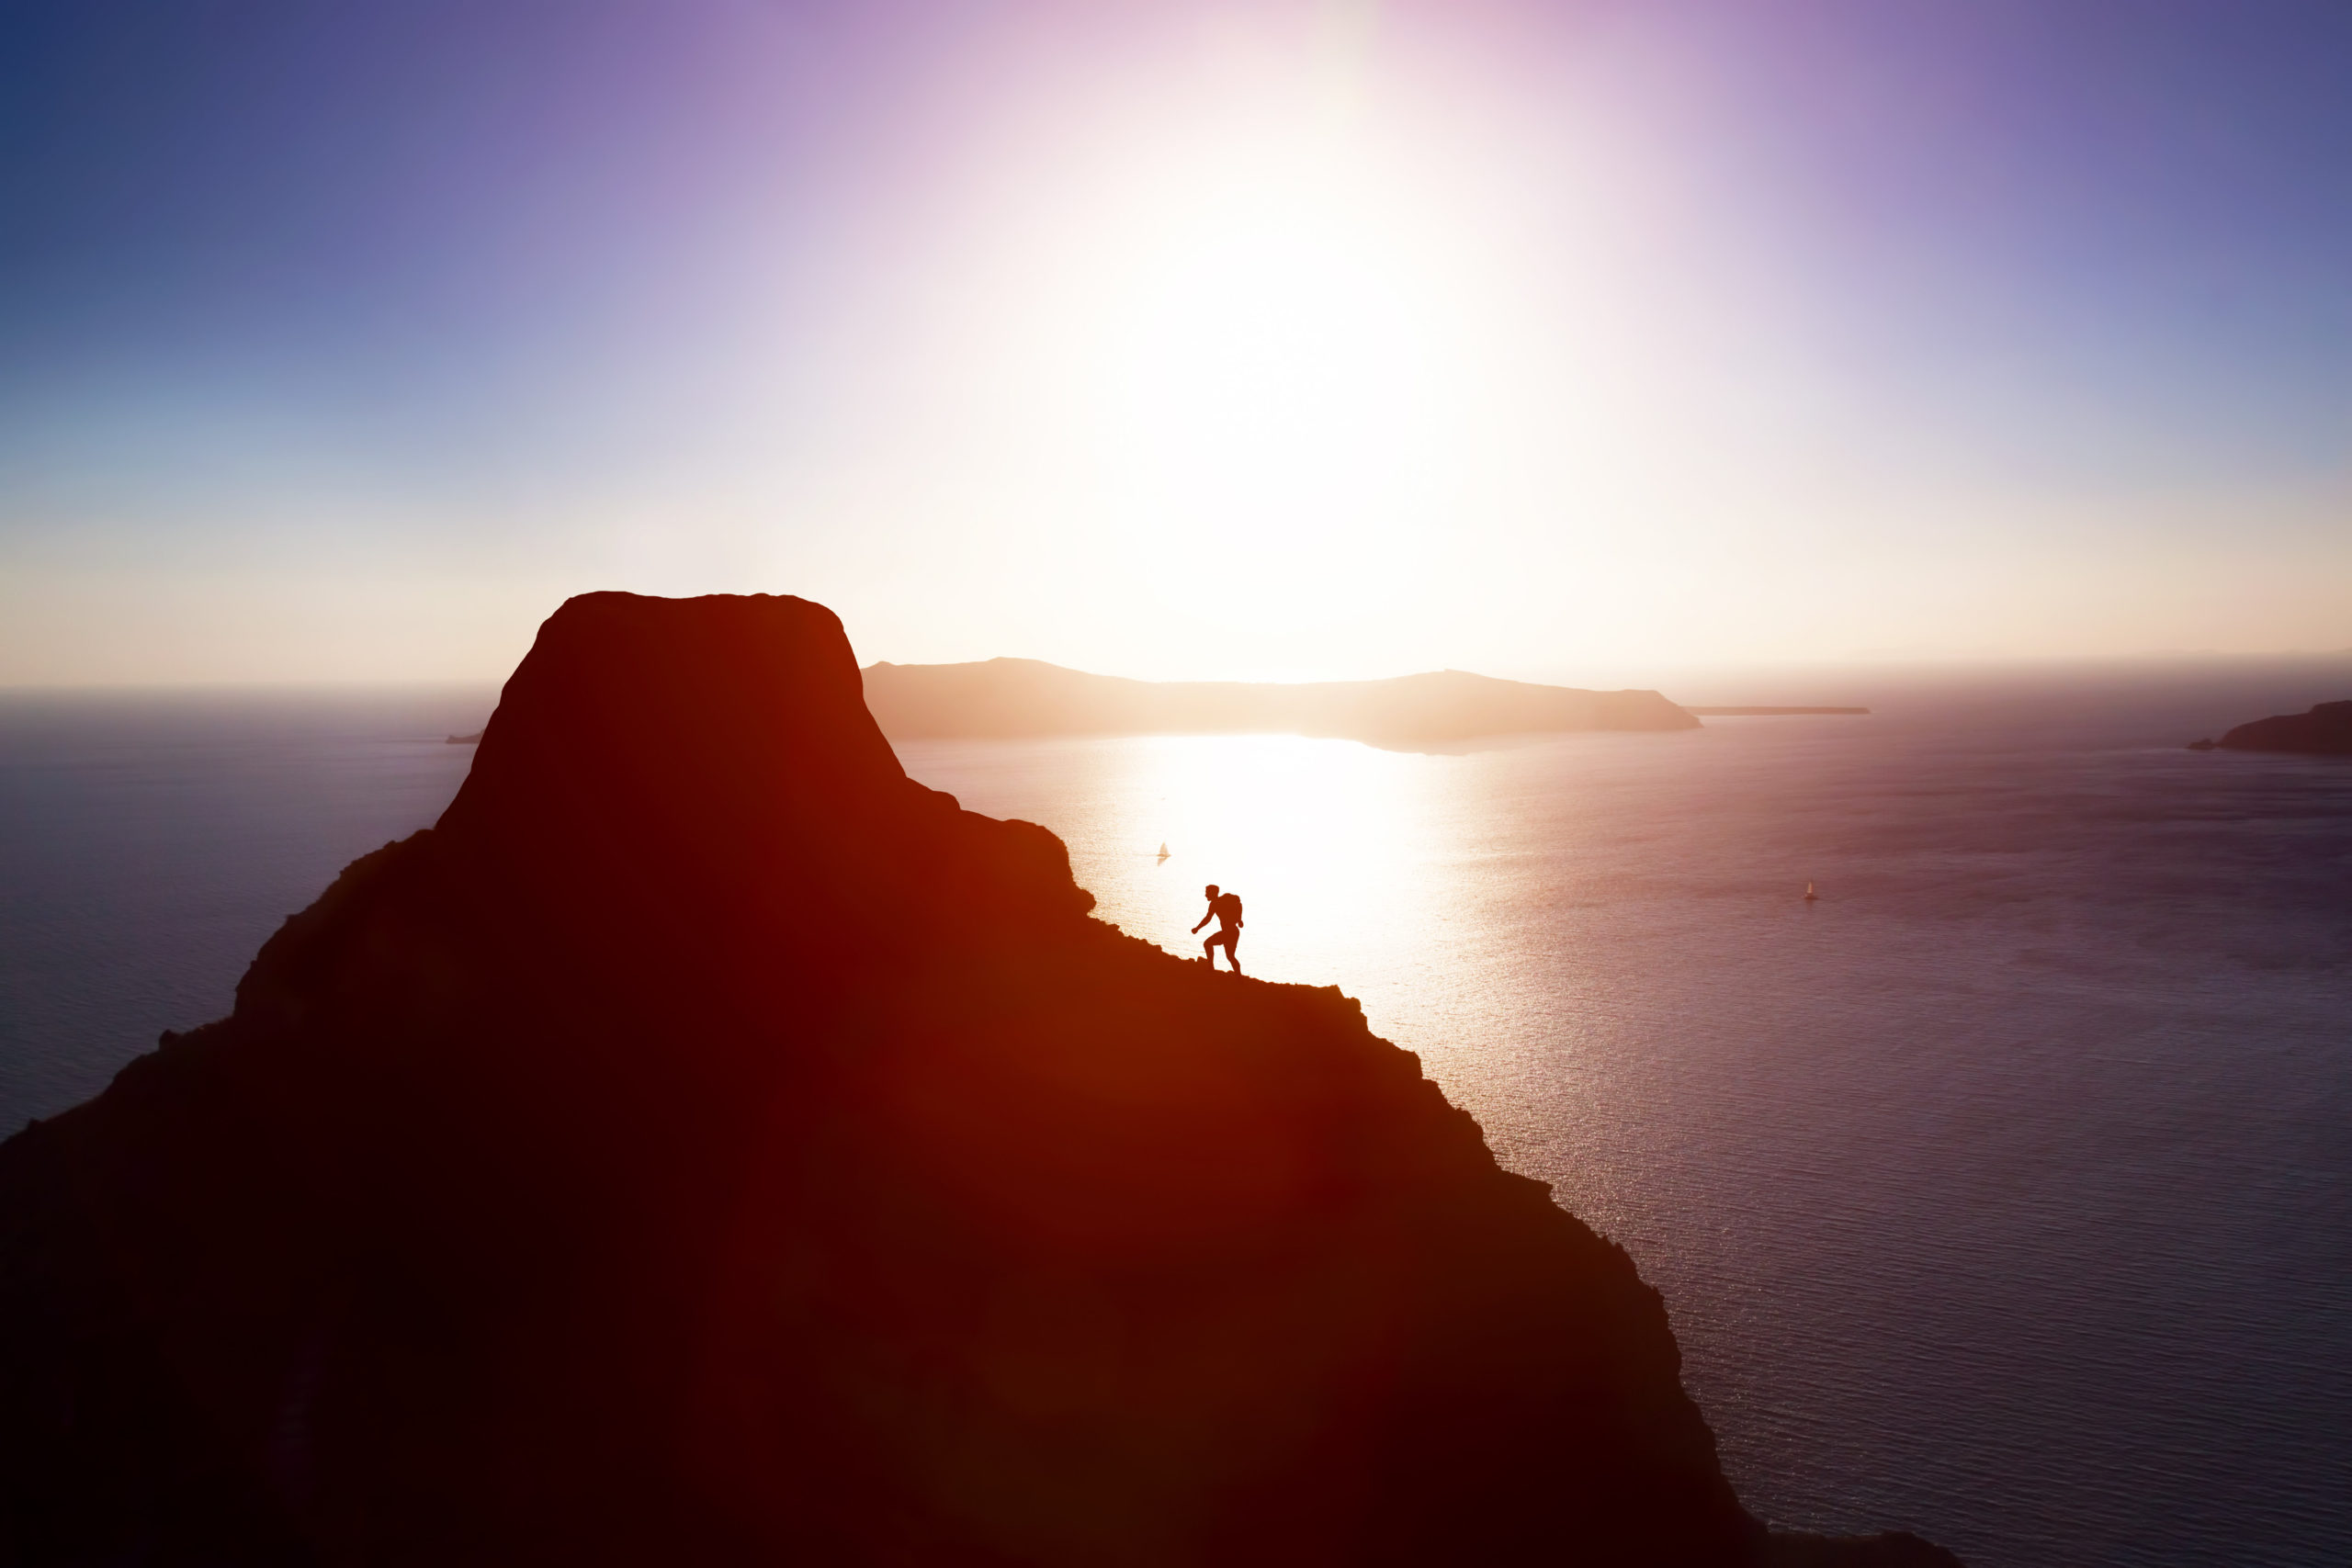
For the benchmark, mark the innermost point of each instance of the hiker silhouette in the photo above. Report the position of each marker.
(1226, 909)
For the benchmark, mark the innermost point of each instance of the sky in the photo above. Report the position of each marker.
(1180, 340)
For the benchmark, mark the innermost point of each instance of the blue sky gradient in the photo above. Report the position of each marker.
(340, 342)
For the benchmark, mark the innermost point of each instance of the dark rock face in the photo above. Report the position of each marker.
(2326, 731)
(708, 1144)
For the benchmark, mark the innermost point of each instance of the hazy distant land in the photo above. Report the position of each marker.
(1027, 697)
(1765, 712)
(2325, 731)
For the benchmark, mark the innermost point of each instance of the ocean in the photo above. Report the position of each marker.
(2003, 1193)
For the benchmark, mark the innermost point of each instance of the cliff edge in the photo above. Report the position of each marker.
(706, 1145)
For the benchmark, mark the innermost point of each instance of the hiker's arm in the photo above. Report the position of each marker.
(1202, 921)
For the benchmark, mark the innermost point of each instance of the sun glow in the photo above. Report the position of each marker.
(1275, 371)
(1285, 338)
(1278, 350)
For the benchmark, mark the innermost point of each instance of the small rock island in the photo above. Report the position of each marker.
(657, 1162)
(2325, 731)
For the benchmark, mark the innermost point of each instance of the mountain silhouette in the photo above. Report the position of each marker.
(707, 1145)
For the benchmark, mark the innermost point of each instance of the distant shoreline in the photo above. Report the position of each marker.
(1761, 713)
(2325, 731)
(1026, 698)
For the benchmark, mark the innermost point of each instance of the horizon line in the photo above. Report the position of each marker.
(1856, 662)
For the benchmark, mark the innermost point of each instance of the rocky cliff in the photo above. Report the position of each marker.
(1027, 697)
(706, 1145)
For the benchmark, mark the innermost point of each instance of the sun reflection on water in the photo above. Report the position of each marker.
(1327, 842)
(1394, 876)
(1303, 829)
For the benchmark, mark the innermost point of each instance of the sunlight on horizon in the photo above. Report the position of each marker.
(1308, 831)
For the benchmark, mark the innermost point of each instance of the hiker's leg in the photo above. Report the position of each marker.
(1233, 949)
(1208, 952)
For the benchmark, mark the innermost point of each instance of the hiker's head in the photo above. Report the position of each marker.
(1210, 890)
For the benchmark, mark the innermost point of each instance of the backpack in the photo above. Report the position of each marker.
(1235, 900)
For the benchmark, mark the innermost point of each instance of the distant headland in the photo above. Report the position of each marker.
(2325, 731)
(1764, 712)
(1004, 698)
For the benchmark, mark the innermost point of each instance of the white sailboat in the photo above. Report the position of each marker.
(1809, 894)
(1163, 848)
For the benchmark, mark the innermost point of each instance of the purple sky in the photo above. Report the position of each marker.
(342, 341)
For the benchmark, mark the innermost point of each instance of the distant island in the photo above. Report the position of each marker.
(1004, 698)
(2325, 731)
(1763, 713)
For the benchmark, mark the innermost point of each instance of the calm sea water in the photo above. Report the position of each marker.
(151, 844)
(2005, 1193)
